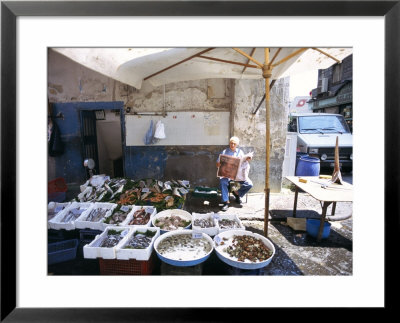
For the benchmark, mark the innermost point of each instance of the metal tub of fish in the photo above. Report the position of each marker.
(171, 220)
(104, 245)
(205, 223)
(53, 208)
(244, 249)
(93, 218)
(228, 222)
(139, 244)
(118, 215)
(183, 248)
(140, 216)
(66, 218)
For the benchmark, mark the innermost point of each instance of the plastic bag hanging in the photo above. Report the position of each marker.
(148, 138)
(159, 132)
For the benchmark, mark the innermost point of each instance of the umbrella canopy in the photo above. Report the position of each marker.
(159, 66)
(133, 66)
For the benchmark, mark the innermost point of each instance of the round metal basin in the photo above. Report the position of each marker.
(168, 213)
(184, 258)
(232, 261)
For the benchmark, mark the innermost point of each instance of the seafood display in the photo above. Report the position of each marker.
(73, 214)
(244, 247)
(172, 222)
(118, 215)
(204, 222)
(228, 224)
(125, 191)
(53, 209)
(140, 240)
(140, 217)
(112, 239)
(184, 247)
(96, 214)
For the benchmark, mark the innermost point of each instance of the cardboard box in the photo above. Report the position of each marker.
(298, 224)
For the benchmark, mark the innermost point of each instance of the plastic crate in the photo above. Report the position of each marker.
(205, 192)
(126, 267)
(62, 251)
(56, 190)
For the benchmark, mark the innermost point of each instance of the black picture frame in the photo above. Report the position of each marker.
(10, 10)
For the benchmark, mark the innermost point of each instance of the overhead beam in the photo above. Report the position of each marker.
(180, 62)
(229, 62)
(248, 56)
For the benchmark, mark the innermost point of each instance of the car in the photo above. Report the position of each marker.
(316, 137)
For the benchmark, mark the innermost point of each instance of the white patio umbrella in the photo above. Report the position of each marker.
(134, 66)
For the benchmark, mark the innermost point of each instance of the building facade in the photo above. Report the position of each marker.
(334, 92)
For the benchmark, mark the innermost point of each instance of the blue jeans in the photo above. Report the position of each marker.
(245, 186)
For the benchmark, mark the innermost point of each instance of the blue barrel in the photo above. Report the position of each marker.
(308, 166)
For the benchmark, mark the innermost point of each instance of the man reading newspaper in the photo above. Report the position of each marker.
(233, 164)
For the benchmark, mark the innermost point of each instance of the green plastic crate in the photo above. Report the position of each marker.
(200, 191)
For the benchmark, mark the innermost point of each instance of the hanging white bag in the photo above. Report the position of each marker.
(159, 133)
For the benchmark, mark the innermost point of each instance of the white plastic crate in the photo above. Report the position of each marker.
(138, 254)
(56, 222)
(106, 225)
(93, 249)
(55, 208)
(82, 223)
(234, 217)
(211, 231)
(129, 218)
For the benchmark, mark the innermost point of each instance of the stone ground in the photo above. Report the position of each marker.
(297, 253)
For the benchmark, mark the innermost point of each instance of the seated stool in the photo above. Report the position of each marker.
(234, 186)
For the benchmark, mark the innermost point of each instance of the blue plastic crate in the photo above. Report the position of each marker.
(62, 251)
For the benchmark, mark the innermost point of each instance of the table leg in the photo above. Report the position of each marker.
(333, 208)
(296, 193)
(322, 221)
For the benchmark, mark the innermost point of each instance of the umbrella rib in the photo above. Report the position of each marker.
(289, 56)
(180, 62)
(248, 60)
(230, 62)
(276, 54)
(249, 57)
(321, 51)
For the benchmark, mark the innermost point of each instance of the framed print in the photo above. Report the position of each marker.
(170, 18)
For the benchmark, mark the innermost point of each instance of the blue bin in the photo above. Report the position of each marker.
(312, 227)
(308, 166)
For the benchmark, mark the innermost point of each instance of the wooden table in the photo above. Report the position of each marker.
(330, 194)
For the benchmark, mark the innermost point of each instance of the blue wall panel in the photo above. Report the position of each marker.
(145, 162)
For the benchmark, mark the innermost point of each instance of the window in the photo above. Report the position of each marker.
(337, 73)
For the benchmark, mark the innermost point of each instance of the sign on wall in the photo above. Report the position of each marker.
(181, 128)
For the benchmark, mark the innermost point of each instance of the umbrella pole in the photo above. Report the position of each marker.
(267, 73)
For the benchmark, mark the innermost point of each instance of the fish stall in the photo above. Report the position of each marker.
(140, 227)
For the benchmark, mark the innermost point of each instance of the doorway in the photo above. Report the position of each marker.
(101, 135)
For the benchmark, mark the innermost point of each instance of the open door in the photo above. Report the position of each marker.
(89, 138)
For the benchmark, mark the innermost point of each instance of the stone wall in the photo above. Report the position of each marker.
(251, 128)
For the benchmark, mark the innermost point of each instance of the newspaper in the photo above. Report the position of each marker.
(229, 166)
(234, 168)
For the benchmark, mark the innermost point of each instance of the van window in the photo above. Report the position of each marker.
(323, 124)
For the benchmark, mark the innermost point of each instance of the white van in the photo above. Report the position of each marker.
(316, 136)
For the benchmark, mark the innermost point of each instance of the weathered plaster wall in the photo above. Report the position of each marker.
(250, 128)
